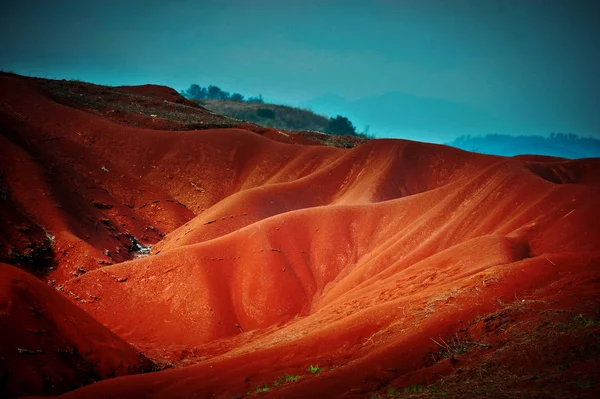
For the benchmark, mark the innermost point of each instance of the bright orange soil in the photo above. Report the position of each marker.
(276, 256)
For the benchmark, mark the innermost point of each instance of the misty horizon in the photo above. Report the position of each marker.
(466, 67)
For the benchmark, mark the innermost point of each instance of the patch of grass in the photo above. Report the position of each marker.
(414, 389)
(580, 321)
(455, 347)
(313, 369)
(279, 381)
(576, 322)
(286, 379)
(263, 388)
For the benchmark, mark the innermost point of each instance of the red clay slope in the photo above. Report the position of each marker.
(364, 285)
(49, 345)
(391, 265)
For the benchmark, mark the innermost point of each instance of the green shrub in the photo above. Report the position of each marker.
(313, 369)
(286, 379)
(413, 389)
(265, 113)
(340, 126)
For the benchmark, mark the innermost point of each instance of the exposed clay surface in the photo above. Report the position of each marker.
(393, 266)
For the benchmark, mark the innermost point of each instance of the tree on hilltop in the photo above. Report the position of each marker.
(214, 92)
(195, 91)
(340, 126)
(237, 97)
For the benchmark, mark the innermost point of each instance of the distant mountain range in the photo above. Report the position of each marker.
(404, 115)
(558, 145)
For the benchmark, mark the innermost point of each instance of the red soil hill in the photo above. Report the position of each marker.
(50, 345)
(393, 265)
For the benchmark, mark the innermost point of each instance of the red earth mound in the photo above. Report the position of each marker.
(49, 345)
(166, 94)
(289, 270)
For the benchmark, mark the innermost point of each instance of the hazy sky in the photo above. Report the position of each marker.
(532, 64)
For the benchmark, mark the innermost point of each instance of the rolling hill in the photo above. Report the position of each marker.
(279, 266)
(270, 115)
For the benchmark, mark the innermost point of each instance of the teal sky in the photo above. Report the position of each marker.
(531, 65)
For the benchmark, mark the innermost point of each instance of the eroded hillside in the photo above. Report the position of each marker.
(279, 266)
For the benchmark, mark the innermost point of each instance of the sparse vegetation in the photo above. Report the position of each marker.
(414, 389)
(280, 381)
(581, 321)
(178, 115)
(282, 117)
(286, 379)
(577, 322)
(457, 346)
(313, 369)
(254, 110)
(262, 388)
(269, 115)
(292, 378)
